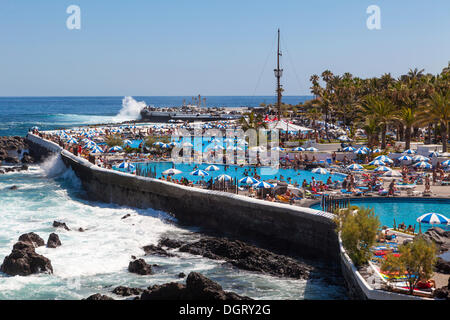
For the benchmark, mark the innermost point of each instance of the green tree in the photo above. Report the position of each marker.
(358, 230)
(381, 109)
(114, 140)
(252, 121)
(416, 260)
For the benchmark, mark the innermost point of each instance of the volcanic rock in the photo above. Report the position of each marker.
(248, 257)
(57, 224)
(170, 243)
(157, 250)
(32, 238)
(98, 296)
(141, 267)
(126, 291)
(24, 261)
(53, 241)
(126, 216)
(197, 287)
(181, 275)
(439, 236)
(442, 266)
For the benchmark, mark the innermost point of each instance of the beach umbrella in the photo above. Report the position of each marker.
(228, 140)
(187, 144)
(159, 143)
(224, 177)
(215, 140)
(127, 142)
(319, 171)
(446, 163)
(248, 180)
(312, 149)
(420, 158)
(115, 149)
(217, 147)
(90, 145)
(377, 163)
(123, 165)
(200, 173)
(242, 141)
(85, 140)
(72, 140)
(384, 159)
(365, 148)
(259, 148)
(360, 151)
(404, 158)
(96, 149)
(344, 138)
(382, 169)
(212, 168)
(355, 167)
(376, 151)
(262, 184)
(171, 172)
(277, 149)
(434, 154)
(298, 149)
(392, 173)
(349, 149)
(236, 148)
(423, 165)
(409, 151)
(433, 218)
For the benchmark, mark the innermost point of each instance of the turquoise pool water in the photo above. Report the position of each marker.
(404, 210)
(234, 171)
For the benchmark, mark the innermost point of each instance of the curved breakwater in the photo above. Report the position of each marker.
(96, 260)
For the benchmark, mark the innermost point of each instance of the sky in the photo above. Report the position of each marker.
(209, 47)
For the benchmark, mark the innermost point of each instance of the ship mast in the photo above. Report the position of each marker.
(278, 75)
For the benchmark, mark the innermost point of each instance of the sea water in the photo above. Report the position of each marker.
(96, 260)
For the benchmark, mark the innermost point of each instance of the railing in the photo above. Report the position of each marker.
(330, 203)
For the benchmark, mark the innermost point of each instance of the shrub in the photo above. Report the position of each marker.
(416, 261)
(114, 140)
(358, 229)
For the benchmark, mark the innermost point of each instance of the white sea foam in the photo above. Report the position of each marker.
(131, 110)
(96, 260)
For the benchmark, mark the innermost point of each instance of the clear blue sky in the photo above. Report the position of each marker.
(180, 47)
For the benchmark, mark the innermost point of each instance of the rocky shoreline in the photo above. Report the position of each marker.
(197, 287)
(239, 254)
(14, 151)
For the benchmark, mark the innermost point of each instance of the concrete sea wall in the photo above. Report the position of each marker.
(298, 231)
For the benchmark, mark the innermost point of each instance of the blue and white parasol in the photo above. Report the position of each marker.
(262, 184)
(433, 218)
(319, 171)
(200, 173)
(355, 167)
(212, 168)
(248, 180)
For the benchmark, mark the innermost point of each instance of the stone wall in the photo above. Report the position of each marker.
(298, 231)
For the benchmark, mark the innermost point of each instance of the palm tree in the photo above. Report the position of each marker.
(408, 118)
(254, 121)
(371, 129)
(381, 109)
(314, 115)
(438, 111)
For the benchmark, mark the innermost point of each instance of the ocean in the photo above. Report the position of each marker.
(96, 261)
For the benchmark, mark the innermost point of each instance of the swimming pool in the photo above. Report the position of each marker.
(235, 171)
(403, 210)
